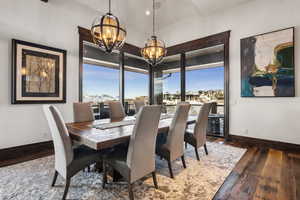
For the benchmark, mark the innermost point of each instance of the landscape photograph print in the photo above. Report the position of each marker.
(267, 65)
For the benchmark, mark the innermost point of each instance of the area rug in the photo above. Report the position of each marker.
(200, 180)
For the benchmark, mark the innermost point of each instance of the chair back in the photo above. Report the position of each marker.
(141, 150)
(176, 132)
(116, 111)
(83, 112)
(201, 124)
(61, 139)
(214, 107)
(138, 104)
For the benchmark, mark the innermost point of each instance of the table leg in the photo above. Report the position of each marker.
(99, 166)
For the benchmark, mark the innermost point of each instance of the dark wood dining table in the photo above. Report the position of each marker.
(87, 133)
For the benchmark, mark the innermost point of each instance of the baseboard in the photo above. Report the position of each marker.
(265, 143)
(24, 153)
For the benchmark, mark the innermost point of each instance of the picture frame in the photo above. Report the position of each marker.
(268, 64)
(38, 73)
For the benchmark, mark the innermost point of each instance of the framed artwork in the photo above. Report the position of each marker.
(267, 65)
(38, 74)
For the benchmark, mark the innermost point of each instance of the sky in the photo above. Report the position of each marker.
(203, 79)
(102, 80)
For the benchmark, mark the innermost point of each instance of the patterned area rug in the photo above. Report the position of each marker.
(200, 180)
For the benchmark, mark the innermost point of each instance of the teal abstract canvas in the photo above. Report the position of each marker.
(267, 65)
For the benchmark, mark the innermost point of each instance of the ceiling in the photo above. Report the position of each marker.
(133, 12)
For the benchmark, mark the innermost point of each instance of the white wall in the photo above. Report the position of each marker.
(265, 118)
(53, 24)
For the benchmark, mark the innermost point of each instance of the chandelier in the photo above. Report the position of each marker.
(107, 32)
(154, 50)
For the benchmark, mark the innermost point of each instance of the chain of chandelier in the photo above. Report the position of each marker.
(109, 34)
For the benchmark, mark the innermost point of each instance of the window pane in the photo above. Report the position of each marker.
(203, 85)
(100, 83)
(171, 83)
(136, 81)
(136, 87)
(171, 91)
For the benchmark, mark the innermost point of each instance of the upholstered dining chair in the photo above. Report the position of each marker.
(83, 112)
(116, 111)
(68, 161)
(139, 159)
(197, 136)
(171, 147)
(138, 104)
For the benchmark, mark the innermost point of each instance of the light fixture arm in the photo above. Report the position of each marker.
(153, 25)
(109, 6)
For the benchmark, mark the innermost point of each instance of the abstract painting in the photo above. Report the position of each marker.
(38, 74)
(267, 65)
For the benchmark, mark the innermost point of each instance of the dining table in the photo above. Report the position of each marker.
(102, 134)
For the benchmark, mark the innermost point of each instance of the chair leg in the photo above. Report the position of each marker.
(186, 145)
(197, 155)
(154, 179)
(170, 169)
(54, 178)
(117, 176)
(104, 181)
(66, 188)
(131, 197)
(88, 169)
(205, 148)
(183, 161)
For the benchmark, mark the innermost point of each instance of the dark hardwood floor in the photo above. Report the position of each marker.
(261, 174)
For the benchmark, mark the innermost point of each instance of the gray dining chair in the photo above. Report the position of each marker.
(139, 159)
(116, 111)
(138, 104)
(197, 136)
(172, 147)
(83, 112)
(68, 160)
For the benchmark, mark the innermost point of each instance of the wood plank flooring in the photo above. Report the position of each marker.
(263, 174)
